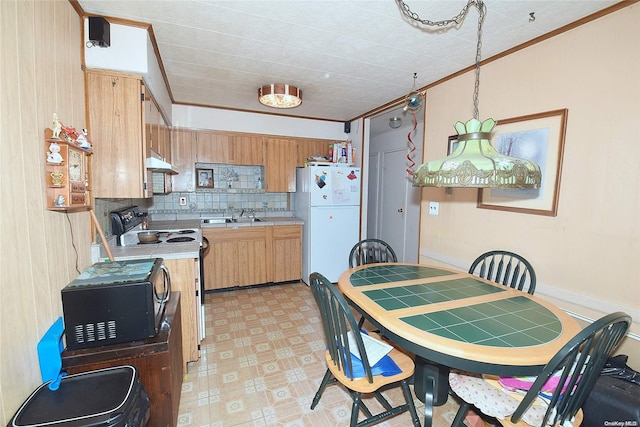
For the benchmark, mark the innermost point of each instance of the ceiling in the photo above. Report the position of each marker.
(349, 58)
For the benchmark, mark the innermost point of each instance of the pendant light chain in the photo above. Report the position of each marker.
(474, 162)
(479, 4)
(476, 90)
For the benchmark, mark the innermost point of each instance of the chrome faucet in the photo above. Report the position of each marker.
(242, 213)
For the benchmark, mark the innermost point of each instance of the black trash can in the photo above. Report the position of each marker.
(105, 397)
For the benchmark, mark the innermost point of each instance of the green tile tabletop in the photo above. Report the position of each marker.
(387, 273)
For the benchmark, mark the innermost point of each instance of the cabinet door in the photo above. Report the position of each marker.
(164, 137)
(247, 149)
(237, 257)
(184, 279)
(287, 253)
(311, 148)
(281, 156)
(183, 151)
(220, 264)
(151, 125)
(116, 128)
(252, 255)
(213, 147)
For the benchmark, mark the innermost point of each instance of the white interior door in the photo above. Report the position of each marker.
(394, 204)
(393, 210)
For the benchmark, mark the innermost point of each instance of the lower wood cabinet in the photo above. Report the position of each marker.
(237, 257)
(184, 278)
(286, 246)
(246, 256)
(158, 361)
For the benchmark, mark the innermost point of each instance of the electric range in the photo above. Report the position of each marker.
(127, 223)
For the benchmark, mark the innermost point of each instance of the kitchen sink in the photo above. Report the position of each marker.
(245, 219)
(216, 220)
(223, 220)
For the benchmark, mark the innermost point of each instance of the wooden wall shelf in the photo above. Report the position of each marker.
(66, 175)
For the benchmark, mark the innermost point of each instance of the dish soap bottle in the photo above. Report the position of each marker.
(259, 183)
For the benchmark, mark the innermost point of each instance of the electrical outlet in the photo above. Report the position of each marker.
(183, 201)
(434, 207)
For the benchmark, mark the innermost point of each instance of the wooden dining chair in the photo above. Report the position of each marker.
(564, 383)
(370, 251)
(356, 375)
(506, 268)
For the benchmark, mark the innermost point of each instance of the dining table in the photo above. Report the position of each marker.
(451, 319)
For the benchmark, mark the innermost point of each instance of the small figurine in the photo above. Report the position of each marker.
(59, 201)
(70, 134)
(54, 155)
(57, 126)
(83, 140)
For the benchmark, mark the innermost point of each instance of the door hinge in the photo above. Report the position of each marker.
(144, 186)
(142, 97)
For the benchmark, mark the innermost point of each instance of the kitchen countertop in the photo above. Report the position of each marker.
(164, 251)
(264, 222)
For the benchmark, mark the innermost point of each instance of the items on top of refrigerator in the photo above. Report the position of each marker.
(342, 152)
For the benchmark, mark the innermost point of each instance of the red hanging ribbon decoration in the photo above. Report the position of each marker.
(412, 146)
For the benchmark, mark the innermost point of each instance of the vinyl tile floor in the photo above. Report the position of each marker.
(262, 361)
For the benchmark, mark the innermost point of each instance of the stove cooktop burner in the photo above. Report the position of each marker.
(180, 239)
(150, 243)
(186, 231)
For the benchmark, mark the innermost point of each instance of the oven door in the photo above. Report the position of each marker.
(161, 294)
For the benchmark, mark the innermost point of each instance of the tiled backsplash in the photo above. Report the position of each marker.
(243, 194)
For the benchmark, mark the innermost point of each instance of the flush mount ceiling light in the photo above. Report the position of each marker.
(395, 122)
(474, 162)
(280, 96)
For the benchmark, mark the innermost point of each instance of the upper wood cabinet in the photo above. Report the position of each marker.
(280, 161)
(116, 123)
(213, 147)
(183, 150)
(311, 148)
(157, 131)
(229, 148)
(247, 149)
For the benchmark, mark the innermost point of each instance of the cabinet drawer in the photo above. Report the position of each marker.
(77, 187)
(77, 198)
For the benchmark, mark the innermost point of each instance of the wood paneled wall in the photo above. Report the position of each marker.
(41, 251)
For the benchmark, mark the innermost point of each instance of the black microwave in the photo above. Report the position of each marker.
(115, 302)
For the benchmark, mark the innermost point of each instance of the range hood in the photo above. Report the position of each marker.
(156, 164)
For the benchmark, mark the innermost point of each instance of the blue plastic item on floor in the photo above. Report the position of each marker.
(50, 348)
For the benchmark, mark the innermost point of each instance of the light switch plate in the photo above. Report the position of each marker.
(183, 201)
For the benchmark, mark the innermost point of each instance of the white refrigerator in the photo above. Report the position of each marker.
(327, 199)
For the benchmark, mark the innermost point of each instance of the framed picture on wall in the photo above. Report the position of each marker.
(539, 138)
(204, 178)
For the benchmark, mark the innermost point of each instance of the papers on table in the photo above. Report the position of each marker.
(375, 348)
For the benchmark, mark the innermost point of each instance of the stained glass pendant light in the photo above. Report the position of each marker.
(474, 162)
(280, 96)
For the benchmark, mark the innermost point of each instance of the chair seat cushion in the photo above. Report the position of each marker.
(486, 394)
